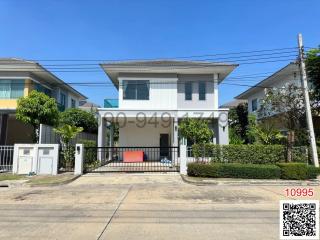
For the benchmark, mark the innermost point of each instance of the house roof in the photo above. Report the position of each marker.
(233, 103)
(87, 104)
(167, 66)
(21, 65)
(269, 81)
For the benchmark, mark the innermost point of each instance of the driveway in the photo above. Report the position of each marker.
(124, 206)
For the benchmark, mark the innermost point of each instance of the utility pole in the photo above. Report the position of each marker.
(304, 84)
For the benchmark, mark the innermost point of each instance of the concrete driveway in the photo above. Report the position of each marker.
(123, 206)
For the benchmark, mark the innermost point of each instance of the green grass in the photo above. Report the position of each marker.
(8, 176)
(50, 180)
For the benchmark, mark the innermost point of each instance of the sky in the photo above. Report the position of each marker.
(110, 29)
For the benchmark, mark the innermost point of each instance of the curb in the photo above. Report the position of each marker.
(251, 182)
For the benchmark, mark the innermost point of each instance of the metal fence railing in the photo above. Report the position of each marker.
(131, 159)
(6, 158)
(66, 159)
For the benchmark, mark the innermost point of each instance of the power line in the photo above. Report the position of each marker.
(177, 57)
(74, 70)
(8, 62)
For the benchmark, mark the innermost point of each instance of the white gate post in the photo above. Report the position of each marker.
(79, 159)
(15, 159)
(183, 159)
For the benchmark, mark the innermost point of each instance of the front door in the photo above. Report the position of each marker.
(164, 145)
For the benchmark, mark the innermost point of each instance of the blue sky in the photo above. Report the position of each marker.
(153, 29)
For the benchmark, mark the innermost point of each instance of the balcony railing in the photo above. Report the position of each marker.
(111, 103)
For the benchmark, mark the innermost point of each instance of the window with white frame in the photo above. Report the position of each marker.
(202, 90)
(136, 89)
(188, 90)
(11, 89)
(73, 103)
(254, 105)
(63, 99)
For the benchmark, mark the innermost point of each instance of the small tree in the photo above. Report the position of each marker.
(285, 103)
(238, 123)
(79, 118)
(67, 133)
(35, 109)
(313, 70)
(196, 130)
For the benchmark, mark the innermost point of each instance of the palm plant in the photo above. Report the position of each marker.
(67, 133)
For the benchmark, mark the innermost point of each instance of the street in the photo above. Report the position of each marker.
(124, 206)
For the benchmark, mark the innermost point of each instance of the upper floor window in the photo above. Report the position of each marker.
(41, 88)
(188, 90)
(136, 90)
(202, 90)
(11, 89)
(63, 99)
(73, 103)
(254, 105)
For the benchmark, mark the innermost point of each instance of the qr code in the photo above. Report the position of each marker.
(299, 219)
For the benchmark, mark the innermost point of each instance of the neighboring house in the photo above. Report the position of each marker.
(290, 74)
(154, 96)
(234, 103)
(88, 106)
(17, 79)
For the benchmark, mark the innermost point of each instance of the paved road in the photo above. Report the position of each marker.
(140, 207)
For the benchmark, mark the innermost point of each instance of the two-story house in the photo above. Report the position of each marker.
(17, 79)
(290, 74)
(154, 96)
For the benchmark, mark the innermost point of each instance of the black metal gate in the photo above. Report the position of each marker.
(131, 159)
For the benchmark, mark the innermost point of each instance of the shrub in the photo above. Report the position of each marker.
(255, 154)
(79, 118)
(234, 170)
(298, 171)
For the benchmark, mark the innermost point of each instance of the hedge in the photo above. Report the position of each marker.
(291, 171)
(233, 170)
(255, 154)
(298, 171)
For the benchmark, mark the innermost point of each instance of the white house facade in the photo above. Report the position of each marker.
(290, 74)
(154, 96)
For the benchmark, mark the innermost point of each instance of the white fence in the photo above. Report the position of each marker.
(48, 136)
(6, 158)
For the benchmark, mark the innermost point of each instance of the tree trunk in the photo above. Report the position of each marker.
(290, 145)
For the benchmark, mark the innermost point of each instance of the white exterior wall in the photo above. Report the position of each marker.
(72, 96)
(149, 136)
(211, 101)
(162, 94)
(260, 93)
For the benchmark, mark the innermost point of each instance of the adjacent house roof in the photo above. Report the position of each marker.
(87, 104)
(233, 103)
(167, 66)
(269, 81)
(20, 65)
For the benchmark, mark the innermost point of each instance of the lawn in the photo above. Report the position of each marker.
(8, 176)
(51, 180)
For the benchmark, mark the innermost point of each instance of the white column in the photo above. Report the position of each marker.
(223, 128)
(183, 159)
(111, 132)
(175, 132)
(79, 159)
(216, 91)
(101, 138)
